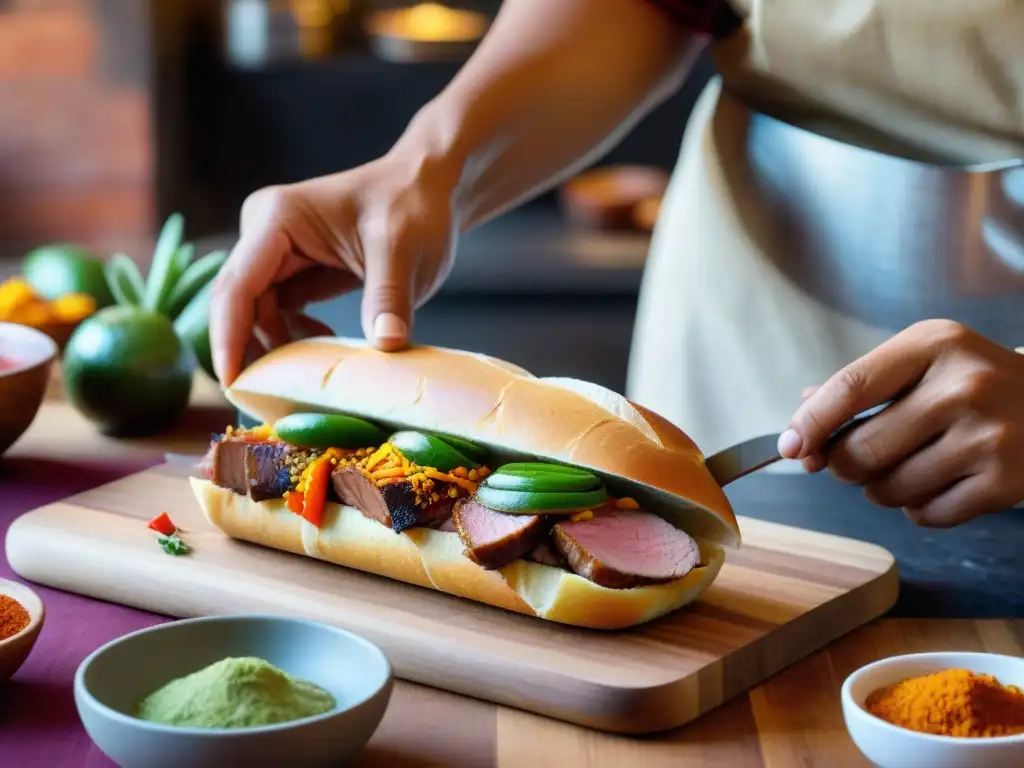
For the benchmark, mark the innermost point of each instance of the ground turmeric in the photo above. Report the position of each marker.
(954, 702)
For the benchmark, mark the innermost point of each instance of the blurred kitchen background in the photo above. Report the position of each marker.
(115, 113)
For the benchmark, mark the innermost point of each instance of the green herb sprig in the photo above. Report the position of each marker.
(173, 545)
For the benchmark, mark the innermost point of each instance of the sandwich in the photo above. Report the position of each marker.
(462, 473)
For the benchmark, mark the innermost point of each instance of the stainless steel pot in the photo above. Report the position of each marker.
(880, 236)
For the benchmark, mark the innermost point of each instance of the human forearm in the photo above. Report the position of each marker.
(552, 87)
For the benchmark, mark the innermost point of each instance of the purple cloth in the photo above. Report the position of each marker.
(39, 726)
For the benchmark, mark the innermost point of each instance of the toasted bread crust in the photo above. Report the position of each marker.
(499, 405)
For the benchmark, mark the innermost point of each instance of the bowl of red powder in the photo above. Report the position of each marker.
(940, 710)
(21, 618)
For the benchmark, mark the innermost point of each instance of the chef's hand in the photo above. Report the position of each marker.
(386, 225)
(949, 448)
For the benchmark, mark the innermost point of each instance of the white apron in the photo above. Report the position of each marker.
(724, 342)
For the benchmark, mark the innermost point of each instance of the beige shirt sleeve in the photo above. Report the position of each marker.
(942, 78)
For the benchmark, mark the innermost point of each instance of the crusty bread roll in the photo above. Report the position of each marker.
(434, 559)
(502, 407)
(518, 417)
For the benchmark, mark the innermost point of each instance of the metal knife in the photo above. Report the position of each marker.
(740, 460)
(184, 465)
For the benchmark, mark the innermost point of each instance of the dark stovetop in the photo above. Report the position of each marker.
(973, 571)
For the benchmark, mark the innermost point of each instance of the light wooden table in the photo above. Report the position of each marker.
(794, 719)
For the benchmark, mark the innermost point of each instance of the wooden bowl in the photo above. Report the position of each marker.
(60, 333)
(23, 385)
(14, 650)
(606, 198)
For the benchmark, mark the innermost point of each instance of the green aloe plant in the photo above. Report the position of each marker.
(177, 286)
(129, 367)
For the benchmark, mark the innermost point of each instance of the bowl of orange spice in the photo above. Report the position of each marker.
(940, 710)
(21, 618)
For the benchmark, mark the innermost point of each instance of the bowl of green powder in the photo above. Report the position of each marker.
(234, 690)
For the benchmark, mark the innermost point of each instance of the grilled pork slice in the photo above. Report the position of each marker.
(258, 469)
(620, 550)
(494, 539)
(393, 505)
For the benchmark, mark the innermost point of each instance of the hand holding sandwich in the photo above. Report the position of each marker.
(385, 225)
(515, 121)
(948, 449)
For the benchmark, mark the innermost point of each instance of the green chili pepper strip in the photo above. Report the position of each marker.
(466, 448)
(429, 451)
(535, 467)
(543, 482)
(526, 503)
(327, 430)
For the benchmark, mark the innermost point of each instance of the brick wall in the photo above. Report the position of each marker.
(76, 156)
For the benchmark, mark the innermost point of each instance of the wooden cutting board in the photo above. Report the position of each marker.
(785, 594)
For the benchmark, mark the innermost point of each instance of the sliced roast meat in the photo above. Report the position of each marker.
(393, 505)
(266, 470)
(229, 465)
(205, 464)
(494, 539)
(546, 554)
(448, 526)
(625, 549)
(357, 490)
(261, 470)
(405, 513)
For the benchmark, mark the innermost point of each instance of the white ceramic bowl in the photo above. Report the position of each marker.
(22, 387)
(112, 680)
(889, 746)
(15, 649)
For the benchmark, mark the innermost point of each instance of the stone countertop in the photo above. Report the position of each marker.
(972, 571)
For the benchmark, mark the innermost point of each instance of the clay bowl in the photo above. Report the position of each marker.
(606, 198)
(26, 357)
(14, 650)
(60, 332)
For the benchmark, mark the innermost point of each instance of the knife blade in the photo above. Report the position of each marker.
(184, 464)
(734, 462)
